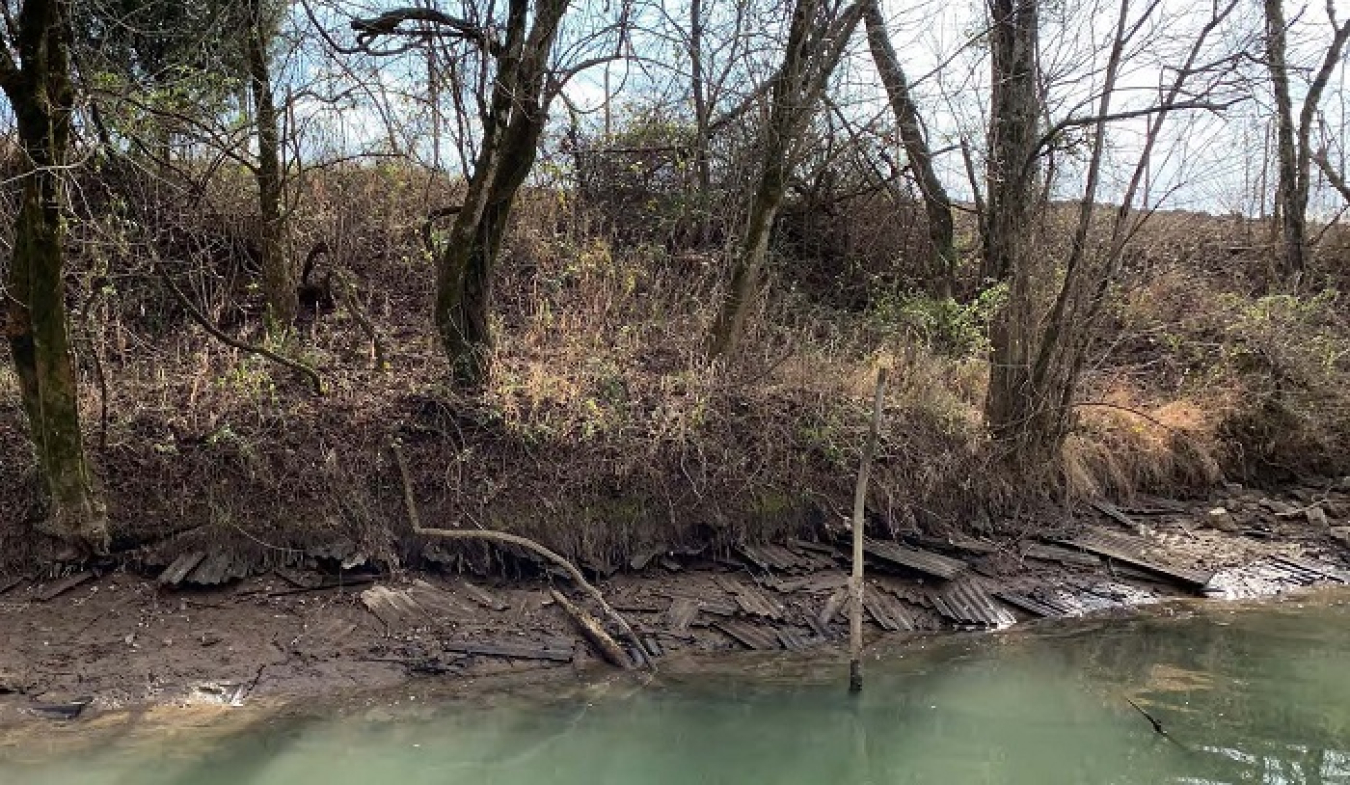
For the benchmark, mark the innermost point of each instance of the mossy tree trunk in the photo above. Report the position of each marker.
(518, 111)
(279, 274)
(38, 86)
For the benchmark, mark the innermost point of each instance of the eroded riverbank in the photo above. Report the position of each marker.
(119, 640)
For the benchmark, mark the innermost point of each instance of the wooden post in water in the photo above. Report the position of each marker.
(855, 583)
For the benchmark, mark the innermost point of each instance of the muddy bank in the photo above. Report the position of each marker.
(89, 643)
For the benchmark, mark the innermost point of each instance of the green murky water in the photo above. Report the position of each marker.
(1249, 696)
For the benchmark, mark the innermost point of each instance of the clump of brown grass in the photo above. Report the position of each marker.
(604, 431)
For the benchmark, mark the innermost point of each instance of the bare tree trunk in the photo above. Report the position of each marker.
(702, 112)
(279, 275)
(1293, 203)
(40, 92)
(1293, 134)
(937, 204)
(812, 52)
(1036, 360)
(1013, 407)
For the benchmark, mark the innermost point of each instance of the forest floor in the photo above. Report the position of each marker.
(90, 643)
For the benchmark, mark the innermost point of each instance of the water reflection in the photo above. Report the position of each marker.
(1256, 696)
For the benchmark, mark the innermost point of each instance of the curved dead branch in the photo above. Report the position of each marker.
(200, 318)
(503, 538)
(428, 23)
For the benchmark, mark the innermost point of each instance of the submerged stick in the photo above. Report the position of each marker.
(855, 581)
(1157, 725)
(502, 538)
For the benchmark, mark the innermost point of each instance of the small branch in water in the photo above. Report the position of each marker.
(1157, 726)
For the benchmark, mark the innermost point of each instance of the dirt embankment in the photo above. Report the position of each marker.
(90, 642)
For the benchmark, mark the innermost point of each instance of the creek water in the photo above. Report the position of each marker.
(1246, 695)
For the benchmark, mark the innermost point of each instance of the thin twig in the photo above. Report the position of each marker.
(200, 318)
(1128, 410)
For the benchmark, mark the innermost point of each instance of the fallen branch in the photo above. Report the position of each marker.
(262, 351)
(594, 634)
(502, 538)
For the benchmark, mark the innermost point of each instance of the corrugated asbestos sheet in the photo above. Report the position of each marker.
(1135, 552)
(751, 636)
(1041, 603)
(776, 558)
(933, 564)
(886, 611)
(1321, 570)
(967, 604)
(750, 599)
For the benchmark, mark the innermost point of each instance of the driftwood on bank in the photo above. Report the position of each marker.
(502, 538)
(855, 581)
(594, 634)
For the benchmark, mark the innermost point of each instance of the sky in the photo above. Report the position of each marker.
(1216, 162)
(1203, 161)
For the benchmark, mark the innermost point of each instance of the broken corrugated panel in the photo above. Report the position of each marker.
(959, 542)
(1114, 513)
(886, 611)
(1134, 551)
(775, 558)
(818, 583)
(824, 550)
(914, 595)
(1280, 572)
(1115, 595)
(179, 569)
(64, 585)
(10, 583)
(751, 600)
(484, 597)
(681, 614)
(218, 568)
(1054, 553)
(437, 602)
(751, 636)
(1316, 567)
(966, 603)
(943, 567)
(794, 640)
(552, 651)
(394, 608)
(1041, 603)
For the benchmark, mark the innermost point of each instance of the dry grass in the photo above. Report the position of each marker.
(604, 432)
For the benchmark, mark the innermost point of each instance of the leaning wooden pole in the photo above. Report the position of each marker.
(855, 583)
